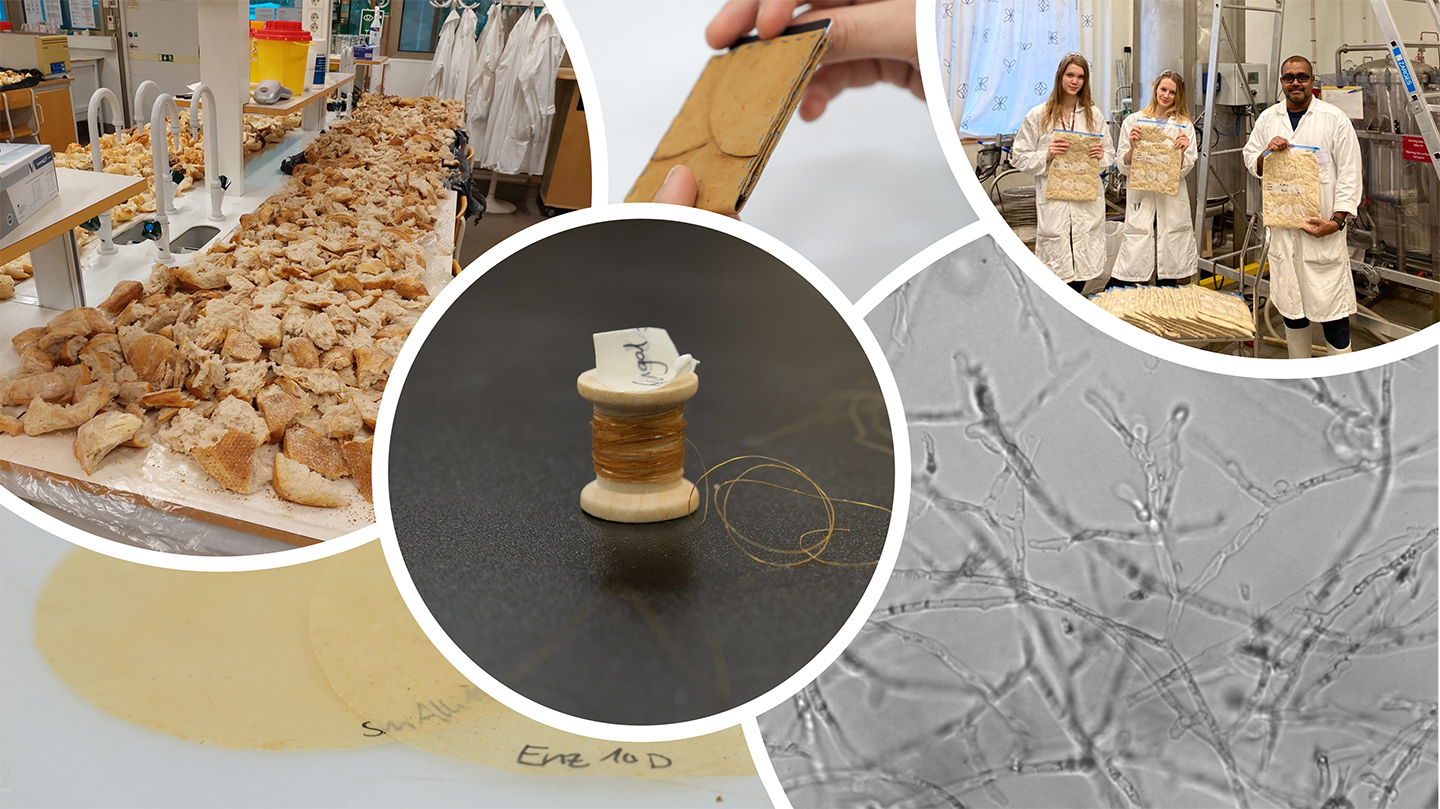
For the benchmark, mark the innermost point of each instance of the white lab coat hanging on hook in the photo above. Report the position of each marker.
(434, 82)
(503, 153)
(481, 90)
(537, 88)
(462, 57)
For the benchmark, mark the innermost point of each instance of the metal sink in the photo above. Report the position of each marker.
(134, 234)
(193, 239)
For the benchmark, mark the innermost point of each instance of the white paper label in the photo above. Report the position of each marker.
(1350, 100)
(639, 359)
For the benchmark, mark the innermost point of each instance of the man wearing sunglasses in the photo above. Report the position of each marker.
(1310, 266)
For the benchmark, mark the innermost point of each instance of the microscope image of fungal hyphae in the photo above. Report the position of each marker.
(1128, 583)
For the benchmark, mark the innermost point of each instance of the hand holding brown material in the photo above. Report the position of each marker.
(871, 42)
(733, 118)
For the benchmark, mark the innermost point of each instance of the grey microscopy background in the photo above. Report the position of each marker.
(1130, 583)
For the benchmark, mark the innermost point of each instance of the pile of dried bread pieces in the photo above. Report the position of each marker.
(264, 358)
(128, 153)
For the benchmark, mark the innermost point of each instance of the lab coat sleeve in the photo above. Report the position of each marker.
(1123, 147)
(1027, 153)
(1192, 150)
(1259, 138)
(1345, 150)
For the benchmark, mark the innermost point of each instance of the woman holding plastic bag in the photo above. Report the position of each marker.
(1157, 151)
(1063, 144)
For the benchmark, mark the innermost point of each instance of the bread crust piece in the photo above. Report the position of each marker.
(99, 435)
(27, 338)
(231, 460)
(357, 458)
(81, 320)
(303, 353)
(52, 387)
(295, 482)
(317, 452)
(42, 417)
(150, 356)
(279, 409)
(124, 293)
(240, 346)
(170, 397)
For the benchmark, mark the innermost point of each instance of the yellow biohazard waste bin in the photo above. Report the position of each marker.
(278, 52)
(255, 25)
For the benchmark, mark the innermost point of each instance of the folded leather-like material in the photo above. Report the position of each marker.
(733, 118)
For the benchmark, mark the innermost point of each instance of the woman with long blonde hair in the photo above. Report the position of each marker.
(1070, 235)
(1159, 238)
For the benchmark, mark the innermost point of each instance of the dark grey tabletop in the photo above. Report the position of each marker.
(636, 624)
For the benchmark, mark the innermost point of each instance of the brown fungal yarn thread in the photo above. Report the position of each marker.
(643, 448)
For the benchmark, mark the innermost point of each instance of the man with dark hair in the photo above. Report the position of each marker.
(1310, 266)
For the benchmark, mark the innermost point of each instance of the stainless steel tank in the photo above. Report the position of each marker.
(1400, 209)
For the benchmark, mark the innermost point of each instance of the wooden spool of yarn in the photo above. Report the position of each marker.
(638, 452)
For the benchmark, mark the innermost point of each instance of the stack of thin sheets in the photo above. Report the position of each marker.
(1179, 313)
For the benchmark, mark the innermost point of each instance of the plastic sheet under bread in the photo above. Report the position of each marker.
(138, 494)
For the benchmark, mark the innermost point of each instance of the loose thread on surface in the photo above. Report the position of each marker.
(650, 448)
(809, 551)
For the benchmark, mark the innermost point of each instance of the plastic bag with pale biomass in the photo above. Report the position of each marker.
(1291, 186)
(1074, 175)
(1155, 163)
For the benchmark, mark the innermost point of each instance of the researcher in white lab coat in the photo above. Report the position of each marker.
(1070, 235)
(1158, 241)
(1310, 266)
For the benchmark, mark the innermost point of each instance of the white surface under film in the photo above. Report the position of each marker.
(1129, 583)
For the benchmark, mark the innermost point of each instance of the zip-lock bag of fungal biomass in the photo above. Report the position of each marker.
(1074, 175)
(1155, 163)
(1291, 186)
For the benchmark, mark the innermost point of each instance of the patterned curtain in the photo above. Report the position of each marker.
(998, 57)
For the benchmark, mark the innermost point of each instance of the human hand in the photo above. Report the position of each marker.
(871, 41)
(1317, 227)
(1096, 151)
(1278, 144)
(1057, 147)
(1134, 136)
(680, 188)
(1182, 141)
